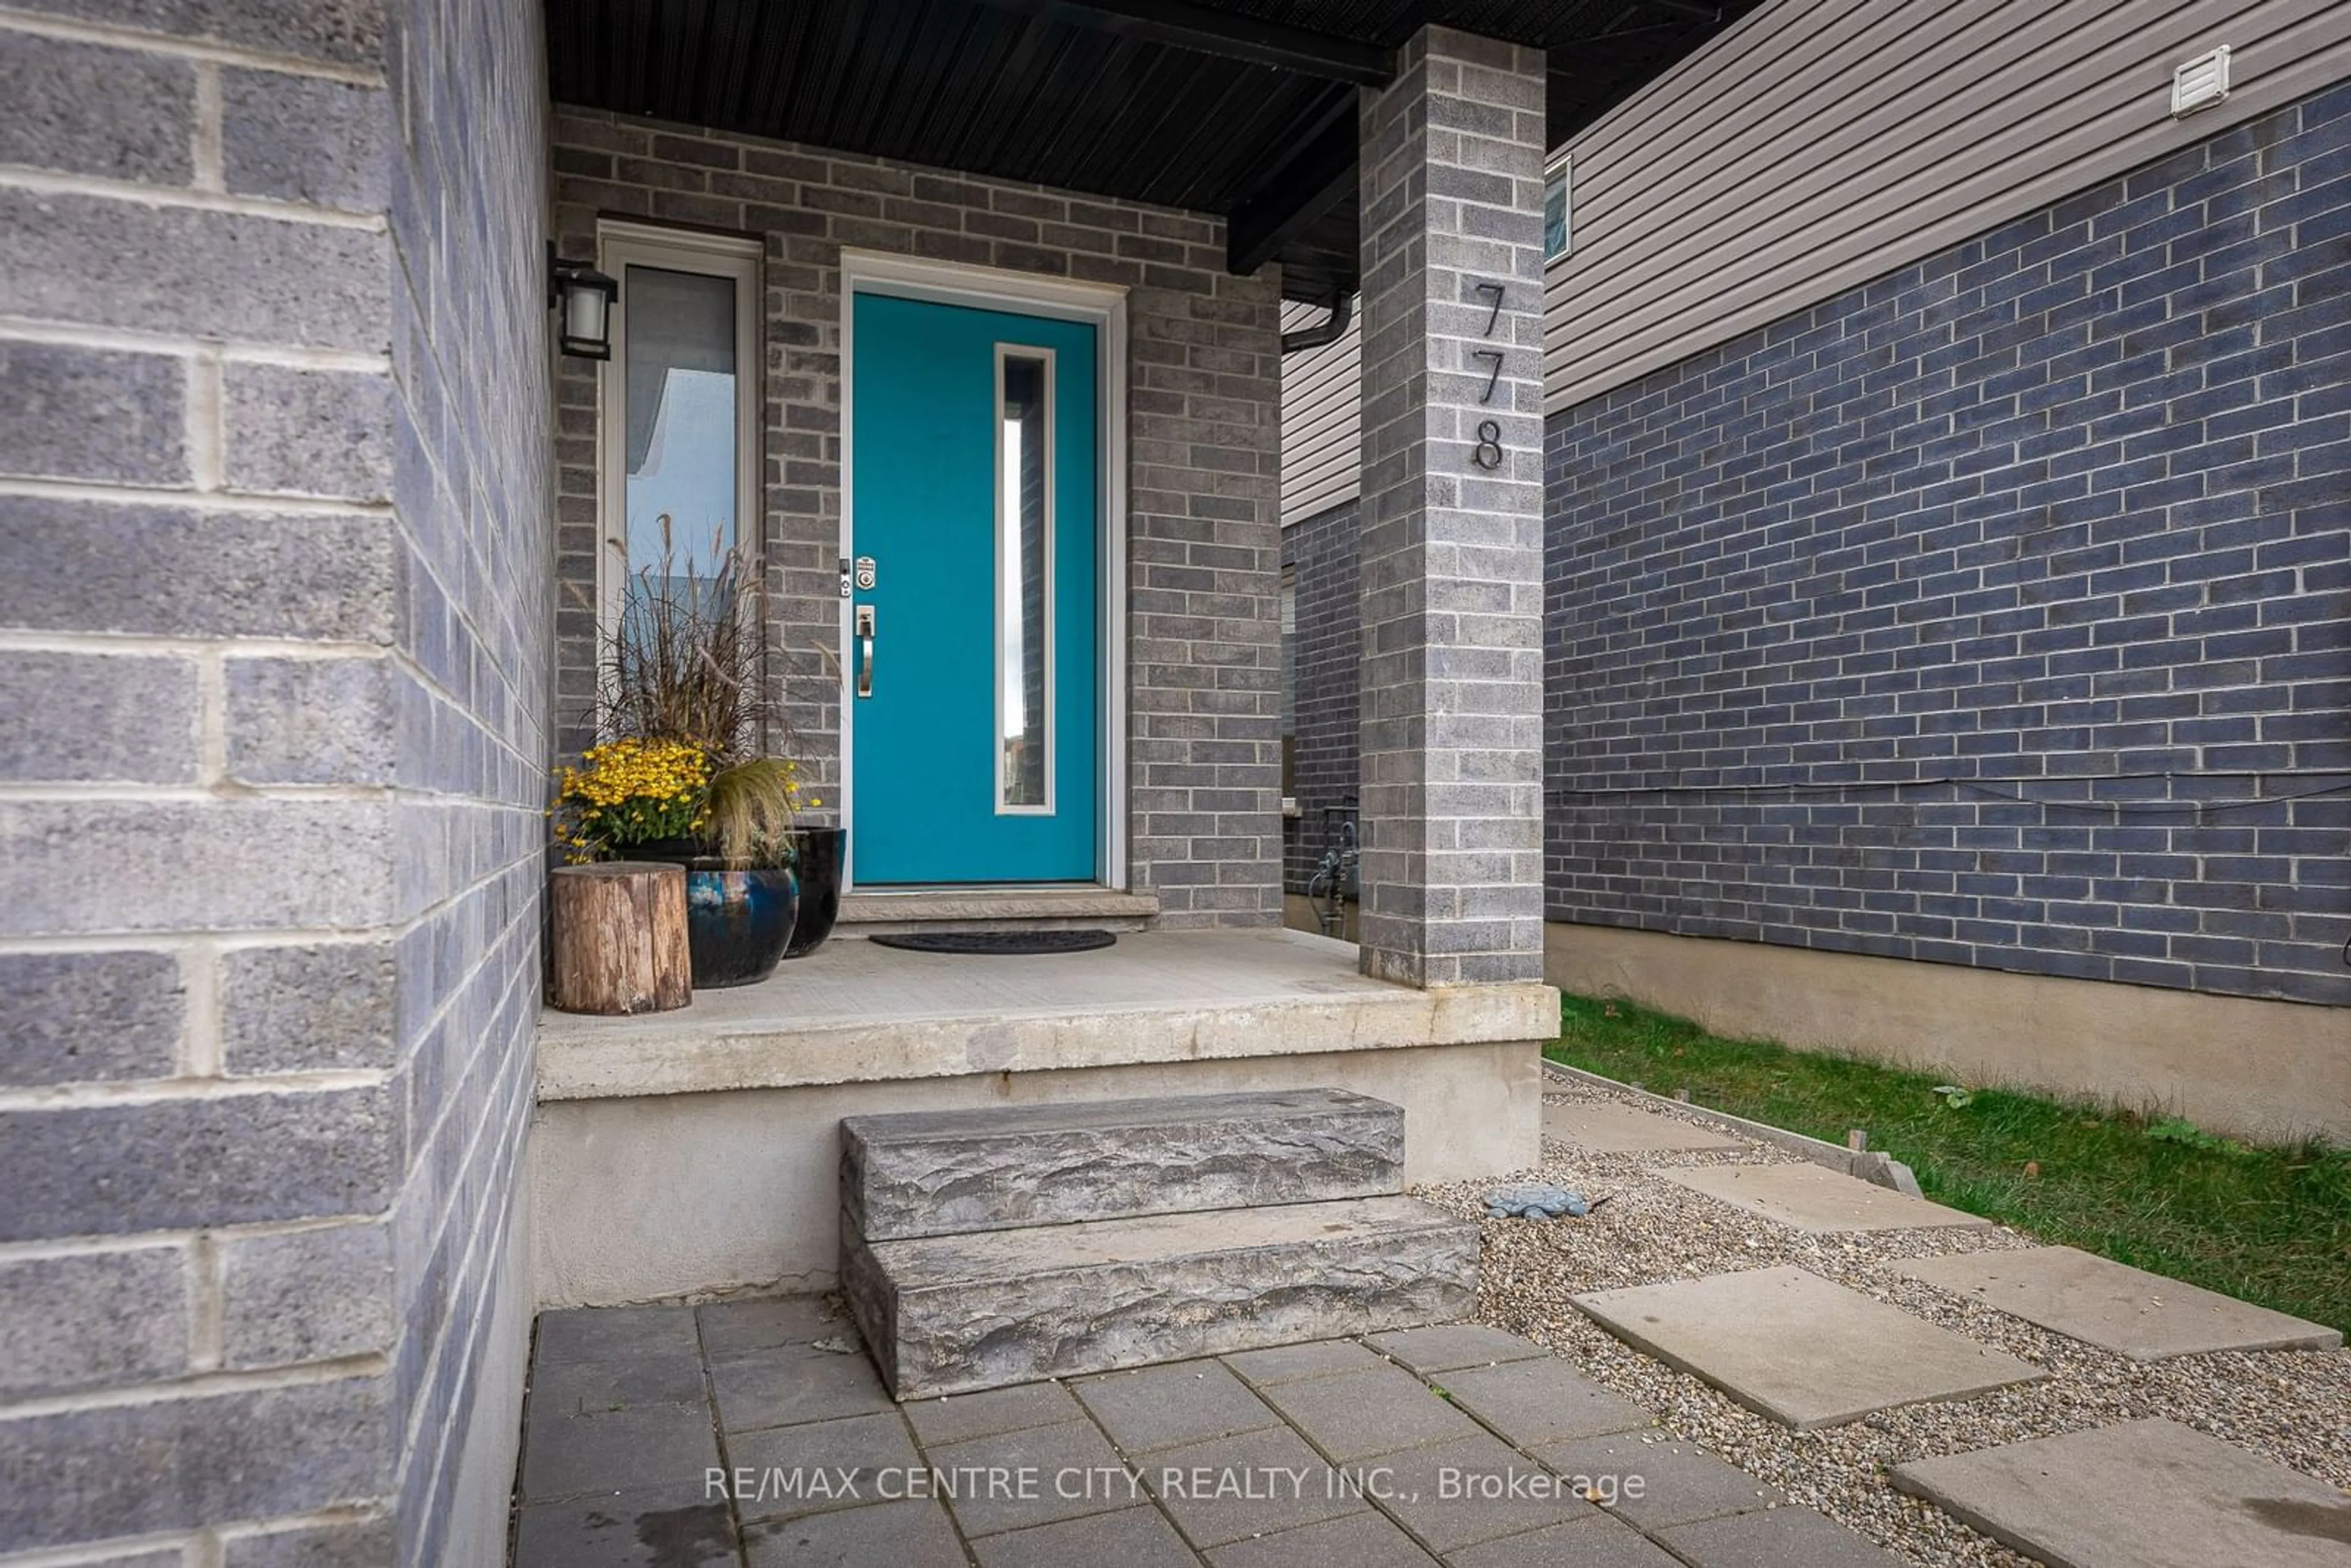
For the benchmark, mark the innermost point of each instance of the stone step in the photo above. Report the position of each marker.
(946, 1173)
(949, 1315)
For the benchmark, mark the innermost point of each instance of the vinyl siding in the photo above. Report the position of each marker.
(1320, 417)
(1820, 143)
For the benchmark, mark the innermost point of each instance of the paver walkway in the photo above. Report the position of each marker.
(755, 1434)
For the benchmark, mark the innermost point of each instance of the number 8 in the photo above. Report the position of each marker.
(1488, 452)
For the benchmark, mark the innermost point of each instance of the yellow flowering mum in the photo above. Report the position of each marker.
(630, 791)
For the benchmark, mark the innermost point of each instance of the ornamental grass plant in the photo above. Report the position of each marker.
(682, 692)
(686, 660)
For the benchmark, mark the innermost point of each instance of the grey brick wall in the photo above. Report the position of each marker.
(1993, 613)
(273, 639)
(472, 695)
(1203, 678)
(1451, 550)
(1321, 551)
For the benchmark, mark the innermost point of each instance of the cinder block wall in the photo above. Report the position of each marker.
(473, 679)
(1204, 674)
(273, 655)
(1994, 613)
(1328, 648)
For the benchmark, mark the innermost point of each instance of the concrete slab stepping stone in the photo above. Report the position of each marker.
(1799, 1348)
(912, 1534)
(1656, 1482)
(1536, 1402)
(1136, 1537)
(1607, 1128)
(2145, 1316)
(1357, 1541)
(1447, 1345)
(1360, 1414)
(2143, 1494)
(1784, 1538)
(1182, 1402)
(1813, 1197)
(1579, 1543)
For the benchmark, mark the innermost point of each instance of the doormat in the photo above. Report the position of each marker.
(999, 942)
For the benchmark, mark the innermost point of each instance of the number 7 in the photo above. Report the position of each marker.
(1494, 358)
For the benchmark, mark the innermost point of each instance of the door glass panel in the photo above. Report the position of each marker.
(681, 391)
(1024, 534)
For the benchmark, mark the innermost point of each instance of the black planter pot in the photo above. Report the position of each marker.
(821, 852)
(737, 921)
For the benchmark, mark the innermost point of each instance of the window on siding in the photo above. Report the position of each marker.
(1558, 209)
(680, 428)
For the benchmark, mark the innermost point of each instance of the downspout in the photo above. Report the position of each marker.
(1341, 307)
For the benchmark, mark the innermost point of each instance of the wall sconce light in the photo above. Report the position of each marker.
(586, 297)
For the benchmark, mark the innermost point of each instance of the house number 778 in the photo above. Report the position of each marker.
(1488, 452)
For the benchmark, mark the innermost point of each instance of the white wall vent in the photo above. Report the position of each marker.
(2200, 83)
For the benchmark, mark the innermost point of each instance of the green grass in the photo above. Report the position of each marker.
(2270, 1225)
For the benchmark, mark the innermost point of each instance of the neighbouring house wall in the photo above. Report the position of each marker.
(1321, 417)
(1328, 649)
(2282, 1076)
(1204, 695)
(472, 685)
(1816, 144)
(273, 649)
(1994, 612)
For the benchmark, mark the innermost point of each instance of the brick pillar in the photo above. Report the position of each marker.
(1452, 551)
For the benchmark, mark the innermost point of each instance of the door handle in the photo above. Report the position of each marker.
(865, 650)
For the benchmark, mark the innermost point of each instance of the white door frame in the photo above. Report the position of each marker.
(1104, 306)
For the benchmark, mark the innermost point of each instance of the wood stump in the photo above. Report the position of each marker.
(617, 939)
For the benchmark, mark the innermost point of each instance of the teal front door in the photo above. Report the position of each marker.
(974, 683)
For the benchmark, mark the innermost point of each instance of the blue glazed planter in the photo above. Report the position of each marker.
(738, 922)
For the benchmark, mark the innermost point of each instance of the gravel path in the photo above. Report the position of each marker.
(2293, 1406)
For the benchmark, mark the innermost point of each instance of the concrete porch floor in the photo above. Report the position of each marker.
(755, 1434)
(854, 1011)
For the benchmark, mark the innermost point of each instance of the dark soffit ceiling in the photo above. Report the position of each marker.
(1241, 107)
